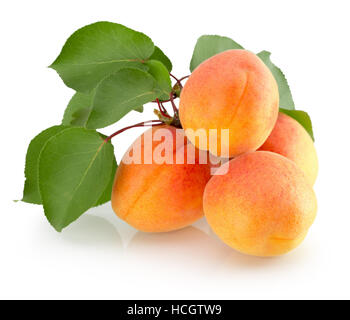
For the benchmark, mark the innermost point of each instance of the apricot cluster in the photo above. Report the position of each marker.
(261, 201)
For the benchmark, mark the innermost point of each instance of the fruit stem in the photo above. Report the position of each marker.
(140, 124)
(183, 78)
(173, 96)
(173, 105)
(155, 101)
(162, 109)
(176, 79)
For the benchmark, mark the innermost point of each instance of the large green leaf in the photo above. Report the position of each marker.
(210, 45)
(31, 192)
(98, 50)
(162, 77)
(160, 56)
(286, 99)
(303, 118)
(120, 93)
(75, 169)
(79, 108)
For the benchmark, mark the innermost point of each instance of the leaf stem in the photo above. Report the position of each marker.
(140, 124)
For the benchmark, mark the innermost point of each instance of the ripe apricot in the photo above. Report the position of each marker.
(232, 90)
(291, 140)
(263, 206)
(157, 197)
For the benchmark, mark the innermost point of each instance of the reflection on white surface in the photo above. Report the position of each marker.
(196, 245)
(188, 248)
(194, 248)
(92, 231)
(100, 256)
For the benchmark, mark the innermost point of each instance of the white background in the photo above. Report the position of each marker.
(99, 256)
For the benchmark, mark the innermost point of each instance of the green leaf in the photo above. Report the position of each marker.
(210, 45)
(303, 118)
(31, 192)
(120, 93)
(106, 195)
(162, 77)
(75, 169)
(286, 99)
(160, 56)
(78, 109)
(98, 50)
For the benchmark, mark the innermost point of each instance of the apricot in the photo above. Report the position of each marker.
(157, 197)
(232, 90)
(291, 140)
(262, 206)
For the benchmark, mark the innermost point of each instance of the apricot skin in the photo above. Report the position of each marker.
(291, 140)
(263, 206)
(160, 197)
(232, 90)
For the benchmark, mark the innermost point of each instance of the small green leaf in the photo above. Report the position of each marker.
(286, 99)
(106, 195)
(303, 118)
(78, 109)
(98, 50)
(120, 93)
(31, 192)
(160, 56)
(210, 45)
(162, 77)
(139, 109)
(75, 169)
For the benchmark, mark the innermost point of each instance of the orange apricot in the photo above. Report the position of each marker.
(157, 197)
(232, 90)
(291, 140)
(262, 206)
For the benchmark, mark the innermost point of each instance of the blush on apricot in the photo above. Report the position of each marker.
(161, 197)
(263, 206)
